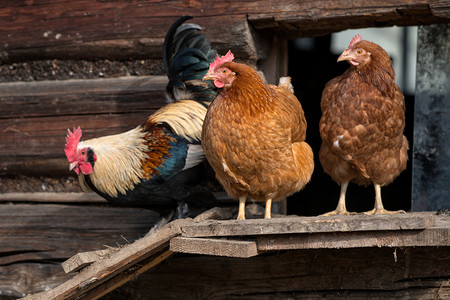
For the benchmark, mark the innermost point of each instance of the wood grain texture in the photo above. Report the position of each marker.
(34, 240)
(46, 232)
(125, 263)
(313, 274)
(431, 154)
(217, 247)
(289, 225)
(116, 29)
(50, 197)
(84, 259)
(82, 96)
(92, 278)
(29, 277)
(408, 238)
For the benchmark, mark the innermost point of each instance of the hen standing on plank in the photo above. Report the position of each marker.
(254, 136)
(363, 117)
(153, 164)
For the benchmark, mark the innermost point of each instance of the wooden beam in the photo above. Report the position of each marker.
(217, 247)
(45, 232)
(82, 96)
(360, 239)
(356, 273)
(76, 29)
(431, 169)
(211, 228)
(84, 259)
(50, 197)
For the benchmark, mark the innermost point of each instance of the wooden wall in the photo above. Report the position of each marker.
(98, 64)
(431, 169)
(99, 40)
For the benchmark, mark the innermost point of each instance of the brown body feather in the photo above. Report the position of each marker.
(253, 136)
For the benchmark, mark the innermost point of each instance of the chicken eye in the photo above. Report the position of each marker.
(359, 51)
(83, 152)
(224, 71)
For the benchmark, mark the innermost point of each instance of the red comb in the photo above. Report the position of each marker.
(221, 60)
(355, 40)
(72, 140)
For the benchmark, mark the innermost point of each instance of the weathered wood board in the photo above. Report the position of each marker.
(218, 247)
(108, 273)
(291, 233)
(383, 273)
(289, 225)
(34, 240)
(431, 151)
(112, 29)
(119, 267)
(49, 197)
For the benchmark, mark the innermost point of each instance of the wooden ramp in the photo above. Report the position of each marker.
(208, 236)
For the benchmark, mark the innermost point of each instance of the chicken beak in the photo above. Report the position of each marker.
(72, 166)
(208, 76)
(344, 56)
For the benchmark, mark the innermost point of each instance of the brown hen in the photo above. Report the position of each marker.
(254, 136)
(363, 118)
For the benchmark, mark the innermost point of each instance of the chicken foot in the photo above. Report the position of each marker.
(341, 209)
(379, 208)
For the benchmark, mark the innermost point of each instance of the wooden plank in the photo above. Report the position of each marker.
(77, 29)
(104, 30)
(125, 277)
(82, 96)
(45, 197)
(431, 170)
(409, 238)
(84, 259)
(370, 272)
(293, 19)
(217, 247)
(28, 277)
(289, 225)
(45, 233)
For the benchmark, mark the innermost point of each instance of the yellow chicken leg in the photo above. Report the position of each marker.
(379, 209)
(241, 214)
(341, 209)
(268, 211)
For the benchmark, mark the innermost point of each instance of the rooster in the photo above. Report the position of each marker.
(363, 118)
(254, 136)
(154, 164)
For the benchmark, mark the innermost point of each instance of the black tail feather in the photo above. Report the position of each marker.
(187, 55)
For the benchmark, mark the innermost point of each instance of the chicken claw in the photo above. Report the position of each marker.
(341, 208)
(379, 209)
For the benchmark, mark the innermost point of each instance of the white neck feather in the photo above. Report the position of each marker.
(119, 161)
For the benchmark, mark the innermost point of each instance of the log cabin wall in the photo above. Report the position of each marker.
(98, 64)
(103, 40)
